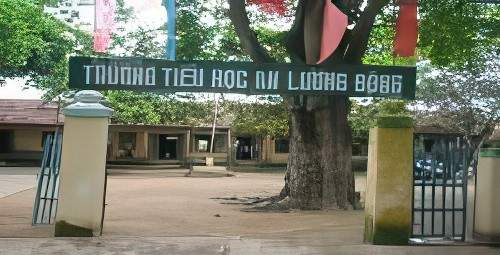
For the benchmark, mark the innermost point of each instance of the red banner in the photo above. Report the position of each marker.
(104, 24)
(405, 40)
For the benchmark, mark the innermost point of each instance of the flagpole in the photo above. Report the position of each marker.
(216, 111)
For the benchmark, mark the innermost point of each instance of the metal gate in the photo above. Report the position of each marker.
(440, 174)
(45, 206)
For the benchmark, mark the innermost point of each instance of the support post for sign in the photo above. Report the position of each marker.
(388, 205)
(229, 150)
(171, 42)
(83, 163)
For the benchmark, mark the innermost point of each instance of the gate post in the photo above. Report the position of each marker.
(389, 188)
(487, 206)
(83, 162)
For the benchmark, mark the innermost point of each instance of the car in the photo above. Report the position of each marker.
(423, 168)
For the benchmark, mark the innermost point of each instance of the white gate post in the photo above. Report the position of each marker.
(83, 163)
(487, 206)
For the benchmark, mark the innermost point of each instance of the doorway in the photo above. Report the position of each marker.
(168, 147)
(6, 141)
(244, 148)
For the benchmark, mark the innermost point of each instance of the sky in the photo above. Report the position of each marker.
(14, 89)
(148, 13)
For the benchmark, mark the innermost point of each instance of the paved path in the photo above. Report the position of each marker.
(16, 179)
(216, 246)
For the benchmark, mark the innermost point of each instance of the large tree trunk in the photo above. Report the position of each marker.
(319, 164)
(319, 174)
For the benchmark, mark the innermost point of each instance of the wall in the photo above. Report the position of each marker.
(147, 147)
(28, 140)
(153, 147)
(218, 157)
(269, 154)
(141, 145)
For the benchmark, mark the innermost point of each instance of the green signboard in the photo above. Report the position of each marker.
(143, 74)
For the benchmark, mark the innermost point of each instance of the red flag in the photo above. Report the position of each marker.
(405, 40)
(270, 6)
(334, 26)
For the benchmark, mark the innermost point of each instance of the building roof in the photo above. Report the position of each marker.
(186, 127)
(35, 112)
(435, 129)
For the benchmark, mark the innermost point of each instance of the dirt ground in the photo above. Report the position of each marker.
(163, 212)
(164, 203)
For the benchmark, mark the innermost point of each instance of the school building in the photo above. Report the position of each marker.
(24, 125)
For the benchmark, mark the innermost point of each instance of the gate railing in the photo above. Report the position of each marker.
(441, 168)
(45, 206)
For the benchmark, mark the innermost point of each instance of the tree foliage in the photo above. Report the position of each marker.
(261, 118)
(463, 101)
(36, 45)
(458, 33)
(363, 115)
(153, 109)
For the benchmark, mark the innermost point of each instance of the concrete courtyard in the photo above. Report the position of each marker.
(163, 212)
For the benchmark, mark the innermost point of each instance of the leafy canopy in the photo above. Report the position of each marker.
(263, 117)
(36, 45)
(465, 101)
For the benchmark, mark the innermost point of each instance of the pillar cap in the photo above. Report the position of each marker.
(490, 153)
(490, 149)
(87, 104)
(394, 121)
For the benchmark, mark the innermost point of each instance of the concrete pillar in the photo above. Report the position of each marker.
(141, 145)
(186, 154)
(389, 189)
(115, 142)
(265, 150)
(487, 206)
(83, 162)
(192, 140)
(229, 151)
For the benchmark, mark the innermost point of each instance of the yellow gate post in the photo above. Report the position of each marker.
(389, 189)
(83, 162)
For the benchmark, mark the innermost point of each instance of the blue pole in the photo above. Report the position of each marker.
(170, 50)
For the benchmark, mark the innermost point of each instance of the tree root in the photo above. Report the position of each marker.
(273, 204)
(276, 203)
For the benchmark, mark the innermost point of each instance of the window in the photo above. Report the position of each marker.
(281, 145)
(202, 143)
(126, 144)
(428, 143)
(220, 143)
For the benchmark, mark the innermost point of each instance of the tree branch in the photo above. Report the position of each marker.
(361, 32)
(247, 36)
(294, 40)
